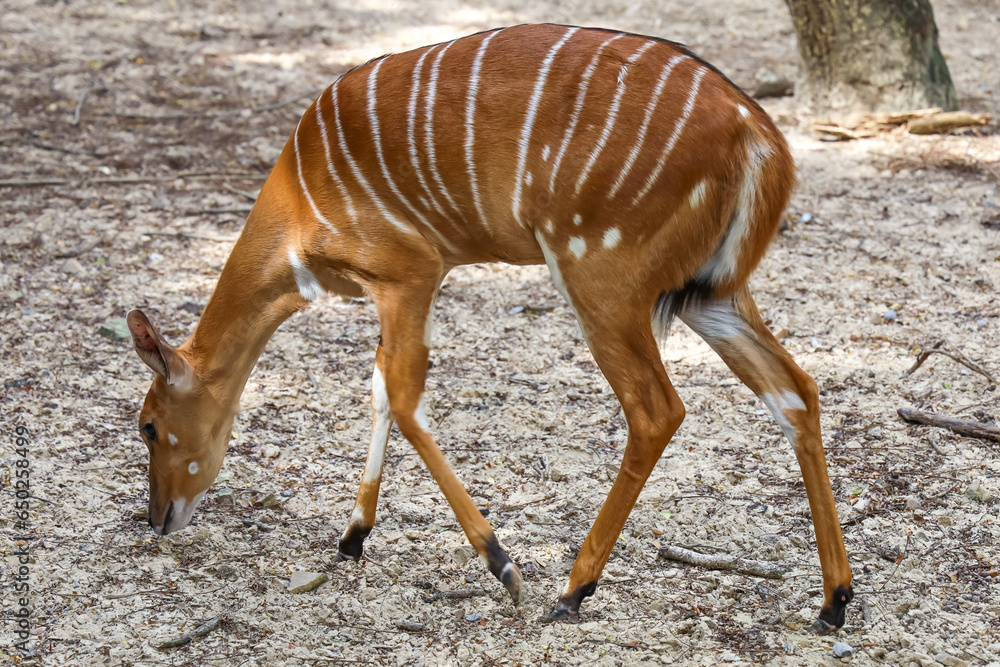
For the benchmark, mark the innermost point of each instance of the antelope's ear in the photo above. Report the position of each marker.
(156, 352)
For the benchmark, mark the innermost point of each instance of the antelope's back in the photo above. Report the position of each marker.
(490, 137)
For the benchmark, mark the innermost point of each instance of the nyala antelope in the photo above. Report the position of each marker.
(645, 180)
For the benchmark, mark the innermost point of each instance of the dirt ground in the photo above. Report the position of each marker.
(148, 120)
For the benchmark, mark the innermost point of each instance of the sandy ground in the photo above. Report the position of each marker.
(171, 111)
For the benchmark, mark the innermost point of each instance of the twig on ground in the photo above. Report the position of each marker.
(960, 426)
(78, 111)
(956, 356)
(238, 210)
(128, 595)
(243, 193)
(82, 247)
(723, 562)
(946, 122)
(106, 180)
(200, 631)
(196, 235)
(460, 594)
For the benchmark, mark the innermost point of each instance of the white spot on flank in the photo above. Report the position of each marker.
(609, 121)
(716, 322)
(308, 285)
(171, 438)
(429, 124)
(698, 194)
(381, 425)
(612, 237)
(529, 120)
(678, 128)
(377, 138)
(527, 178)
(411, 140)
(545, 154)
(577, 219)
(577, 108)
(360, 177)
(302, 183)
(193, 467)
(724, 262)
(743, 111)
(644, 128)
(470, 117)
(548, 226)
(321, 122)
(577, 246)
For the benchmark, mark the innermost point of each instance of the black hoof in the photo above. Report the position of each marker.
(503, 568)
(352, 544)
(833, 615)
(568, 607)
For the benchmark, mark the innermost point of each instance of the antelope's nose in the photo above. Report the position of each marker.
(163, 528)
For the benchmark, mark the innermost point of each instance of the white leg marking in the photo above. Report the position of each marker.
(716, 322)
(678, 128)
(377, 137)
(421, 414)
(529, 120)
(321, 122)
(724, 262)
(553, 263)
(612, 237)
(777, 407)
(308, 285)
(411, 139)
(698, 194)
(357, 518)
(743, 110)
(429, 125)
(470, 118)
(171, 438)
(382, 423)
(609, 121)
(545, 154)
(302, 183)
(360, 177)
(644, 128)
(577, 246)
(193, 467)
(577, 108)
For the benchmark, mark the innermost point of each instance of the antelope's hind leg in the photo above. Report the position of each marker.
(363, 516)
(735, 330)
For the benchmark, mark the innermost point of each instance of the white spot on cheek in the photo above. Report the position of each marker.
(193, 467)
(612, 237)
(577, 246)
(171, 438)
(698, 194)
(743, 111)
(308, 285)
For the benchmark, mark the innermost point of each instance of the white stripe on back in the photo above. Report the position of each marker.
(529, 120)
(577, 107)
(429, 125)
(377, 138)
(302, 183)
(609, 122)
(411, 116)
(470, 117)
(360, 177)
(329, 162)
(644, 128)
(678, 128)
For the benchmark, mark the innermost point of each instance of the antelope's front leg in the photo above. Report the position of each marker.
(363, 516)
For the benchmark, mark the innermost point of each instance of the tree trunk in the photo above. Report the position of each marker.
(870, 55)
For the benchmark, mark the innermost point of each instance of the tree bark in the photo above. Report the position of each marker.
(869, 55)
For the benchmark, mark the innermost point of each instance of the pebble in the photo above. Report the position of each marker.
(842, 650)
(270, 451)
(140, 513)
(913, 503)
(889, 315)
(265, 501)
(72, 267)
(729, 656)
(557, 474)
(303, 582)
(473, 617)
(114, 329)
(226, 571)
(977, 492)
(949, 660)
(225, 495)
(788, 649)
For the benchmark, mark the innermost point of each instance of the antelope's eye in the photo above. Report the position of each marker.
(149, 431)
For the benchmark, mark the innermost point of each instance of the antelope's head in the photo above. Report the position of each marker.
(185, 427)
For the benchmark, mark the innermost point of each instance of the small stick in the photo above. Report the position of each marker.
(957, 356)
(960, 426)
(755, 568)
(195, 235)
(249, 195)
(238, 210)
(453, 595)
(200, 631)
(82, 247)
